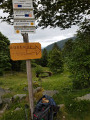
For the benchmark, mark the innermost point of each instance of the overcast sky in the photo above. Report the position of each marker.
(44, 36)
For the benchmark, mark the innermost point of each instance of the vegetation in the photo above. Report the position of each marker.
(44, 59)
(60, 44)
(70, 65)
(61, 82)
(38, 70)
(54, 13)
(4, 54)
(55, 62)
(78, 59)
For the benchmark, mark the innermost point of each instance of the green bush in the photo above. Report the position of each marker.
(38, 70)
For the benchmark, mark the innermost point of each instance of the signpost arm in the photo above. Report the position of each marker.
(29, 77)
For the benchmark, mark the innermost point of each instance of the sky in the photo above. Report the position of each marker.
(44, 36)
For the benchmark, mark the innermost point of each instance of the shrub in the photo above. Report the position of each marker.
(38, 70)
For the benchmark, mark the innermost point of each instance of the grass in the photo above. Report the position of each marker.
(14, 82)
(62, 82)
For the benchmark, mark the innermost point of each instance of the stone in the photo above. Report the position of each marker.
(85, 97)
(38, 89)
(6, 100)
(50, 92)
(61, 106)
(17, 109)
(3, 110)
(21, 96)
(2, 92)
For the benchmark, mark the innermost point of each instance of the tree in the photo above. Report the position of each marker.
(4, 54)
(60, 13)
(44, 59)
(79, 60)
(55, 62)
(55, 46)
(67, 48)
(17, 65)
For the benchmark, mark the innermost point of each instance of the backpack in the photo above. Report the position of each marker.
(45, 111)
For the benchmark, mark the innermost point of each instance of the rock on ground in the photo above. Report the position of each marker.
(85, 97)
(21, 96)
(2, 92)
(50, 92)
(17, 109)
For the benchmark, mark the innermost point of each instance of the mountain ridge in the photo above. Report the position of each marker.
(60, 43)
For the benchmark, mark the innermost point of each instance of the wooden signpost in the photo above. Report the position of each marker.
(25, 51)
(24, 23)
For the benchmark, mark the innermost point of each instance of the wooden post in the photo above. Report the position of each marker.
(29, 77)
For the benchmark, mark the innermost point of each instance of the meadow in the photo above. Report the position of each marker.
(72, 110)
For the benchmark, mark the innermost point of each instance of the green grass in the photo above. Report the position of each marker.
(62, 82)
(14, 82)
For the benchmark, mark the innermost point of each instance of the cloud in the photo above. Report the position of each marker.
(44, 36)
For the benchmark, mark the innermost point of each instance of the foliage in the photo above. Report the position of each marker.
(67, 48)
(61, 82)
(4, 54)
(38, 70)
(78, 59)
(17, 65)
(44, 59)
(55, 46)
(55, 62)
(61, 13)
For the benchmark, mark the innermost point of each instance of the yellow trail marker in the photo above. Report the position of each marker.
(17, 31)
(32, 23)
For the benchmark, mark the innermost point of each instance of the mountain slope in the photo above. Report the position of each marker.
(59, 43)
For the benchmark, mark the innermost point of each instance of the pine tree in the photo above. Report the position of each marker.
(55, 62)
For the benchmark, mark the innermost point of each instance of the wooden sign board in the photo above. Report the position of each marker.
(22, 4)
(25, 51)
(23, 22)
(23, 14)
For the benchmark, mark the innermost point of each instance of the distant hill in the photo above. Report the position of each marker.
(59, 43)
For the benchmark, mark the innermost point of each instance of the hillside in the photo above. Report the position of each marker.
(59, 43)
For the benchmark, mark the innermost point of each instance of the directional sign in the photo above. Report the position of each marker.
(22, 4)
(25, 51)
(19, 22)
(24, 29)
(24, 14)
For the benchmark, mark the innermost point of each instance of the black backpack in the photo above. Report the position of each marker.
(45, 111)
